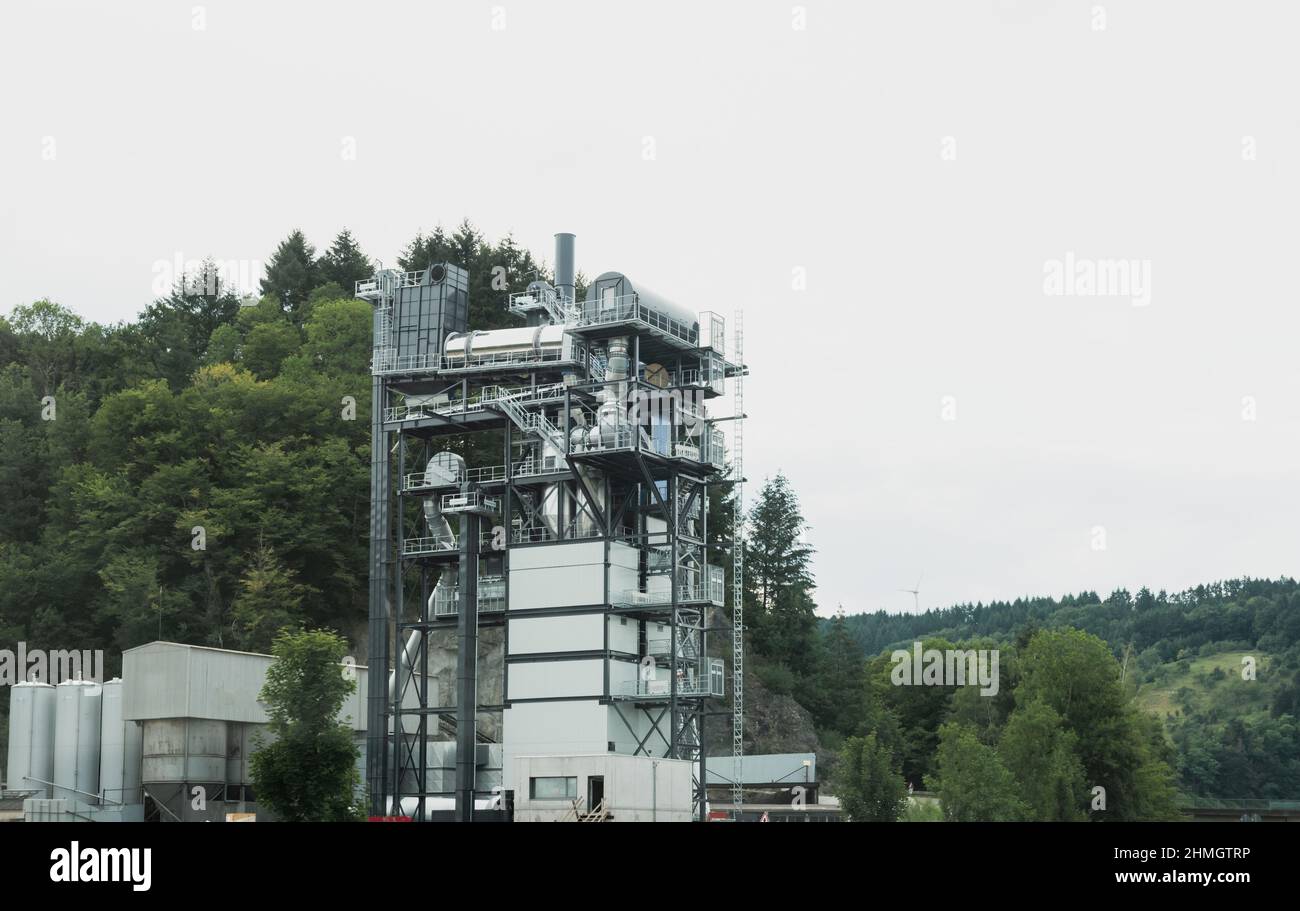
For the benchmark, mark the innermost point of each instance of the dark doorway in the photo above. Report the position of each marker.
(595, 792)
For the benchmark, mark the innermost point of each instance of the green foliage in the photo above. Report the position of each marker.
(869, 786)
(269, 601)
(1076, 676)
(923, 811)
(972, 782)
(308, 772)
(1042, 756)
(344, 264)
(291, 274)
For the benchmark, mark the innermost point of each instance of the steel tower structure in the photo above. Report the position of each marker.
(540, 499)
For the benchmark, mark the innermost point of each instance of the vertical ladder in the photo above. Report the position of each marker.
(738, 572)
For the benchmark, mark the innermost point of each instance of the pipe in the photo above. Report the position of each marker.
(446, 466)
(564, 286)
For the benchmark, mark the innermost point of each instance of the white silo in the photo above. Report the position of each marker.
(31, 737)
(121, 745)
(76, 740)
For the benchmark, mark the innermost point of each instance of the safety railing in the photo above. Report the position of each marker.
(710, 590)
(580, 529)
(526, 301)
(628, 308)
(501, 358)
(658, 648)
(428, 480)
(707, 681)
(532, 467)
(470, 501)
(491, 597)
(610, 437)
(431, 544)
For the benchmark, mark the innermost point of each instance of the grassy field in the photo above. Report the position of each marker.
(1246, 697)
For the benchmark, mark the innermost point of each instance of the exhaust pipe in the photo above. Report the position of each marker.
(564, 266)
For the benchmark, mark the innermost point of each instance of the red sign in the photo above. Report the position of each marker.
(388, 819)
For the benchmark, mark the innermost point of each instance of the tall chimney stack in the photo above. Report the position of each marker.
(564, 266)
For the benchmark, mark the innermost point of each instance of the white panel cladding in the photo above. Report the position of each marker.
(557, 679)
(628, 727)
(636, 788)
(623, 635)
(557, 575)
(568, 633)
(623, 575)
(551, 727)
(621, 675)
(578, 553)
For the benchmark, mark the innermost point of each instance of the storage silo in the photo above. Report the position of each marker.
(181, 754)
(76, 740)
(31, 737)
(120, 750)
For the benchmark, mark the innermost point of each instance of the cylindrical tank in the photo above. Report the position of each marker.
(76, 740)
(120, 750)
(243, 739)
(525, 341)
(31, 737)
(184, 750)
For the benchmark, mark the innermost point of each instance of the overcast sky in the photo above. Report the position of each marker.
(906, 199)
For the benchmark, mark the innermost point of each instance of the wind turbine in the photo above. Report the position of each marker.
(916, 593)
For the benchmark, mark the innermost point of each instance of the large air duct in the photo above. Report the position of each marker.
(443, 468)
(564, 266)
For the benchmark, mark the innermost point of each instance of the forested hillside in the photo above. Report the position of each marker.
(201, 473)
(1219, 665)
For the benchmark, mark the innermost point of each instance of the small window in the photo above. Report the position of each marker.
(553, 788)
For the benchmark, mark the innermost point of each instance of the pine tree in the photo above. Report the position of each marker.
(779, 606)
(842, 680)
(270, 600)
(344, 263)
(291, 274)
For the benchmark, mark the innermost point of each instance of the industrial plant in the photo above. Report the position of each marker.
(548, 607)
(544, 577)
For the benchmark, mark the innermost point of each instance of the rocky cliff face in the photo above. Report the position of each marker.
(773, 724)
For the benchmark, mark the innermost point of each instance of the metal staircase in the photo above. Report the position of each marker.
(534, 422)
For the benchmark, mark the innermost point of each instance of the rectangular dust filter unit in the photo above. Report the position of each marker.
(427, 312)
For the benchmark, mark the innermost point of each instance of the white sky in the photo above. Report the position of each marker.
(775, 148)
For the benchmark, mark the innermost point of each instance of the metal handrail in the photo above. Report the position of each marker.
(491, 597)
(711, 590)
(707, 682)
(628, 308)
(421, 480)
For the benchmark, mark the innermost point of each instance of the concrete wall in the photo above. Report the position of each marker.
(637, 788)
